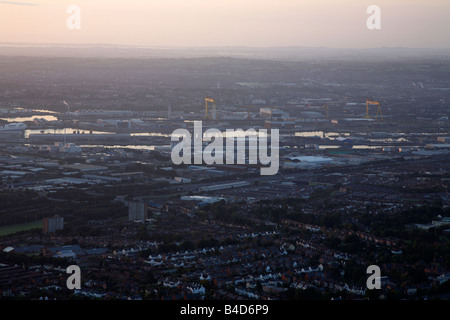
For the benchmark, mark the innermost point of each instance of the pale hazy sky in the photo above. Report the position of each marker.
(326, 23)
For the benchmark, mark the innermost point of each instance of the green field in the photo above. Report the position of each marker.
(20, 227)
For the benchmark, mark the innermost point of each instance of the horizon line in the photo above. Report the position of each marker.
(125, 46)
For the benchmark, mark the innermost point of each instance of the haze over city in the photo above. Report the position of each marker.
(205, 23)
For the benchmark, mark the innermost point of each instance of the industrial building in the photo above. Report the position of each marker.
(273, 114)
(223, 186)
(306, 162)
(137, 211)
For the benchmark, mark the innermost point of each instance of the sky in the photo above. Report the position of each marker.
(206, 23)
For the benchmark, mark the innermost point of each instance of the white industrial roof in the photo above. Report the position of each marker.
(311, 159)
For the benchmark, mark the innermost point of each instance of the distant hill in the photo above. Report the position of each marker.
(267, 53)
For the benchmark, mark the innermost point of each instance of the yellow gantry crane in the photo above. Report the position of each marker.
(213, 114)
(248, 110)
(368, 102)
(326, 106)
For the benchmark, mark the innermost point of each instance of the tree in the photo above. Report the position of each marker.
(353, 243)
(332, 242)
